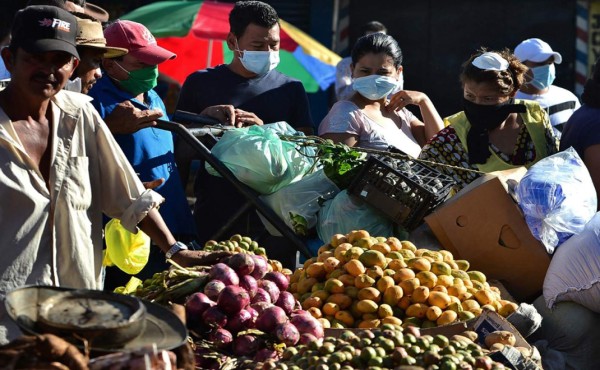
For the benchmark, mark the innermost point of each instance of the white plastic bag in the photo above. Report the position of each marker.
(259, 158)
(557, 197)
(574, 273)
(344, 213)
(298, 204)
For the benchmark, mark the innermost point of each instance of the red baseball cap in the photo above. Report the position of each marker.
(136, 38)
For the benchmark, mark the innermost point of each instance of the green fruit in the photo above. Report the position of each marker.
(367, 353)
(375, 361)
(441, 340)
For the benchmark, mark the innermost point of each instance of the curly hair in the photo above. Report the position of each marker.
(246, 12)
(507, 81)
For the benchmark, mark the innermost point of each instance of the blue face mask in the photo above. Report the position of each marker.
(259, 62)
(374, 87)
(543, 76)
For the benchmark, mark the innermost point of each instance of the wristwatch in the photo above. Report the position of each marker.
(175, 248)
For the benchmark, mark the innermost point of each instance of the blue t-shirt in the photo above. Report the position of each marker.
(151, 153)
(273, 97)
(582, 130)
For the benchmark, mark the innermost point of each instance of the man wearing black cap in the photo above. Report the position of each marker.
(61, 169)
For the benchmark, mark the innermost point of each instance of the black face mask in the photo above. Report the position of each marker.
(484, 118)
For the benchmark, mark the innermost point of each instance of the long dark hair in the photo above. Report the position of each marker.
(377, 43)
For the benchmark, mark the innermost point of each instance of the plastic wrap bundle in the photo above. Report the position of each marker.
(260, 159)
(557, 197)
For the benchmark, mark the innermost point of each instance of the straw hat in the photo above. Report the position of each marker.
(96, 12)
(91, 35)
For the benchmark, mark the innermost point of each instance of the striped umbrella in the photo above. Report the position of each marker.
(196, 31)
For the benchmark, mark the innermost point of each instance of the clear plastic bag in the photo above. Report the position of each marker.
(344, 213)
(557, 197)
(298, 204)
(126, 250)
(260, 159)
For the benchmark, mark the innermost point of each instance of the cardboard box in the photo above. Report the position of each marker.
(483, 225)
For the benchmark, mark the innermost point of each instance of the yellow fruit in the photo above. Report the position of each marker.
(408, 245)
(312, 302)
(439, 299)
(340, 251)
(404, 302)
(354, 267)
(389, 272)
(447, 255)
(484, 297)
(347, 279)
(488, 307)
(459, 274)
(330, 308)
(385, 282)
(420, 294)
(375, 272)
(478, 284)
(345, 317)
(396, 264)
(437, 256)
(338, 239)
(452, 265)
(351, 291)
(445, 280)
(433, 313)
(357, 234)
(440, 268)
(470, 305)
(457, 291)
(507, 308)
(462, 264)
(403, 274)
(324, 255)
(391, 320)
(447, 317)
(315, 312)
(369, 324)
(305, 285)
(366, 306)
(325, 322)
(363, 281)
(334, 286)
(392, 295)
(440, 288)
(369, 316)
(394, 243)
(323, 295)
(317, 286)
(353, 253)
(409, 285)
(417, 310)
(316, 270)
(419, 264)
(336, 273)
(407, 254)
(384, 311)
(477, 276)
(427, 278)
(331, 263)
(364, 243)
(369, 294)
(395, 255)
(466, 315)
(373, 258)
(381, 247)
(342, 300)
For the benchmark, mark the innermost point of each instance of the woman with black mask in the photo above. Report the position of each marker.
(494, 132)
(582, 130)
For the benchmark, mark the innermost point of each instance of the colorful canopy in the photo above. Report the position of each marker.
(196, 31)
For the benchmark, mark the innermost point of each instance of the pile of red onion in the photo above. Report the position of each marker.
(243, 294)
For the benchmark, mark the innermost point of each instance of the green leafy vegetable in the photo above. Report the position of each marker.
(340, 162)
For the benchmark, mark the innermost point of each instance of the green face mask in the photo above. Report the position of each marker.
(140, 80)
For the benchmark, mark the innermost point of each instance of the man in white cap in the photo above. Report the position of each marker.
(540, 58)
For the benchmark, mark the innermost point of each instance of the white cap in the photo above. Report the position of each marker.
(490, 61)
(536, 50)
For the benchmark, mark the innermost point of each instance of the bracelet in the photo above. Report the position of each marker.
(175, 248)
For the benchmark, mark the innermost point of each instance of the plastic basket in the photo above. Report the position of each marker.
(404, 190)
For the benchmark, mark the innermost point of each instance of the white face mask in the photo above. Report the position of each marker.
(73, 85)
(259, 62)
(374, 87)
(400, 85)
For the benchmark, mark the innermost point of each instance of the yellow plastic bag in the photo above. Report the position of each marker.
(126, 250)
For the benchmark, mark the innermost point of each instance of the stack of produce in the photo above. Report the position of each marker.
(245, 309)
(237, 244)
(385, 348)
(362, 281)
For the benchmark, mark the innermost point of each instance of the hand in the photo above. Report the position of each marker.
(405, 97)
(187, 258)
(127, 119)
(224, 113)
(243, 119)
(153, 184)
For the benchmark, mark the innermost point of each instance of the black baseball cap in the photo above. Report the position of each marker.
(41, 28)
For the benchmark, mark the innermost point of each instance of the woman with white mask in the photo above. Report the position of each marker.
(369, 119)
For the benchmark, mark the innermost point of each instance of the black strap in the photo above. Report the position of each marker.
(560, 107)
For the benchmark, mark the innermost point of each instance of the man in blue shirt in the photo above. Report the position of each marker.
(247, 91)
(125, 99)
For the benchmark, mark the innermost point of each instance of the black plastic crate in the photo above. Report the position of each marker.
(404, 190)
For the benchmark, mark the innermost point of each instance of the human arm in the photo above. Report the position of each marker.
(432, 122)
(127, 119)
(340, 125)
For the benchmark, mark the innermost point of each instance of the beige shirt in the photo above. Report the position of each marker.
(52, 235)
